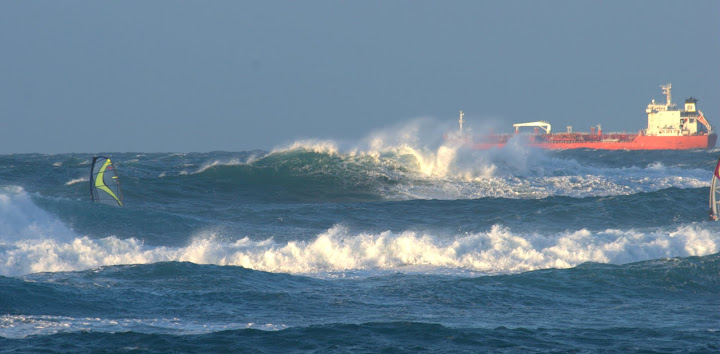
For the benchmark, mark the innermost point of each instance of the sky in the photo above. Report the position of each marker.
(197, 76)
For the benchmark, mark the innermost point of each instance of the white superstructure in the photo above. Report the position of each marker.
(667, 120)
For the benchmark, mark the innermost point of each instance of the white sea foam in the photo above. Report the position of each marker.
(531, 173)
(21, 220)
(22, 326)
(314, 145)
(499, 250)
(76, 180)
(208, 165)
(221, 162)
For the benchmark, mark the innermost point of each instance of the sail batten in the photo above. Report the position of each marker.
(104, 182)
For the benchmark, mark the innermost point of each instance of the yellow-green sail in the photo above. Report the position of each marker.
(104, 182)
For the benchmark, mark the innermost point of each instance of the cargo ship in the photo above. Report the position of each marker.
(668, 128)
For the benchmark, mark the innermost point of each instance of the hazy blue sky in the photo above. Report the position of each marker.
(91, 76)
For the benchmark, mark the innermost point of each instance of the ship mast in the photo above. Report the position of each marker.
(666, 90)
(461, 121)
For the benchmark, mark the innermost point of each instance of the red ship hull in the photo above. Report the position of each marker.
(669, 128)
(604, 142)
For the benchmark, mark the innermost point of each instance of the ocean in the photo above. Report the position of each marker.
(384, 248)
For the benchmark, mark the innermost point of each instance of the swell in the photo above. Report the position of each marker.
(134, 291)
(400, 337)
(181, 303)
(163, 221)
(309, 173)
(487, 235)
(302, 177)
(404, 172)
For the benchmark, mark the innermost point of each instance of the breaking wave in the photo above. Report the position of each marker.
(498, 250)
(402, 164)
(404, 172)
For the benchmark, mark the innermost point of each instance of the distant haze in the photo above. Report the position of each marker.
(160, 76)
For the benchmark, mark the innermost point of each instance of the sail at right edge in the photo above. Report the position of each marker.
(104, 182)
(715, 193)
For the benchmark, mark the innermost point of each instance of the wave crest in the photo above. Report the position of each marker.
(498, 250)
(398, 166)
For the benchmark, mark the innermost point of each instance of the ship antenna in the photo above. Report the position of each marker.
(461, 121)
(666, 90)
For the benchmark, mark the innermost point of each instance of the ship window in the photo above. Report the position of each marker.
(692, 120)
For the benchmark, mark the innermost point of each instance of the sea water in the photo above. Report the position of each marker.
(386, 247)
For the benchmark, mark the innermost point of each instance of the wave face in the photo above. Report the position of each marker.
(407, 247)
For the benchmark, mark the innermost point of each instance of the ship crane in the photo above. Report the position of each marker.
(704, 121)
(540, 124)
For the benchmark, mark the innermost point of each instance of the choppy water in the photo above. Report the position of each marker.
(395, 248)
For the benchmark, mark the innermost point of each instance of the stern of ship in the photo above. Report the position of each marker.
(712, 139)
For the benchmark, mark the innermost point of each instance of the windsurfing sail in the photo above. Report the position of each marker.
(104, 182)
(715, 193)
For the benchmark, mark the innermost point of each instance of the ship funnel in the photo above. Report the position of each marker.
(599, 129)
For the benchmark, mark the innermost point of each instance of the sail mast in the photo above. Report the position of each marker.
(714, 191)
